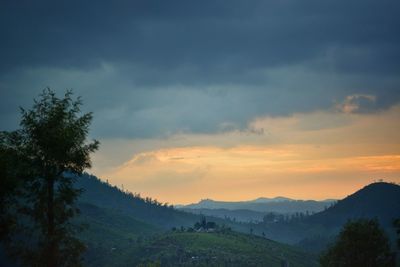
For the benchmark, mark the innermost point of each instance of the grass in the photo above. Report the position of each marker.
(217, 249)
(115, 239)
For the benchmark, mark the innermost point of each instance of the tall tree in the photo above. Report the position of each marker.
(52, 144)
(360, 243)
(11, 168)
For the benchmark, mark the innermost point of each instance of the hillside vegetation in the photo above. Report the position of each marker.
(213, 249)
(124, 229)
(377, 200)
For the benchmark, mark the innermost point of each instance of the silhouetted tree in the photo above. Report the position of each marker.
(197, 225)
(203, 222)
(13, 169)
(53, 150)
(269, 217)
(211, 225)
(360, 243)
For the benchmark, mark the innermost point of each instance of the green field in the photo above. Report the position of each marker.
(200, 249)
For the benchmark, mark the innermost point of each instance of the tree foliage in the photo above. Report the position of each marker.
(360, 243)
(42, 160)
(13, 169)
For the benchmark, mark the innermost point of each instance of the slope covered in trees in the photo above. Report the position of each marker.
(378, 200)
(103, 195)
(220, 249)
(235, 215)
(124, 228)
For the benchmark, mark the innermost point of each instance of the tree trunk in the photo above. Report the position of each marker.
(51, 241)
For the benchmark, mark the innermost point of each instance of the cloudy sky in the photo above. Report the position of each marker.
(222, 99)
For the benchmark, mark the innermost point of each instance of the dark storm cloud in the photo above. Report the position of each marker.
(151, 68)
(210, 36)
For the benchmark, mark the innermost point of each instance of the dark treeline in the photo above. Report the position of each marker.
(102, 194)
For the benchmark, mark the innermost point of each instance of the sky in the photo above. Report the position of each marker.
(223, 99)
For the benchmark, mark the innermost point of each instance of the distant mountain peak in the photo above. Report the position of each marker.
(274, 199)
(381, 184)
(277, 204)
(205, 200)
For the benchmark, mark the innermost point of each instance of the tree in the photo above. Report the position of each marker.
(269, 217)
(360, 243)
(211, 225)
(11, 167)
(53, 150)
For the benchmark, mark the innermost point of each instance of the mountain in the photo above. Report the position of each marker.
(107, 230)
(269, 200)
(279, 205)
(108, 198)
(116, 221)
(367, 202)
(105, 196)
(378, 200)
(125, 229)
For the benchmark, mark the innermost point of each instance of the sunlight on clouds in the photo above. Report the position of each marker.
(312, 155)
(357, 103)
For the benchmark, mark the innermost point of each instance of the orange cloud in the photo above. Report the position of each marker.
(356, 103)
(311, 156)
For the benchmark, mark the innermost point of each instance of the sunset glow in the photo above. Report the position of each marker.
(226, 100)
(319, 155)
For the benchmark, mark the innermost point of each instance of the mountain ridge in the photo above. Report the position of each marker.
(379, 201)
(278, 204)
(368, 202)
(256, 200)
(124, 227)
